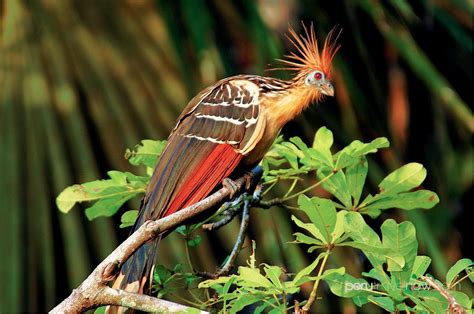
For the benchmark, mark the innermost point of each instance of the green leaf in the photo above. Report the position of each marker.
(360, 300)
(278, 310)
(328, 272)
(336, 185)
(289, 146)
(409, 200)
(227, 285)
(128, 218)
(243, 301)
(355, 177)
(461, 265)
(194, 241)
(303, 238)
(316, 158)
(380, 250)
(261, 308)
(303, 274)
(321, 212)
(384, 302)
(379, 274)
(395, 288)
(212, 282)
(161, 274)
(320, 153)
(310, 228)
(182, 230)
(359, 231)
(338, 226)
(251, 277)
(146, 153)
(432, 300)
(107, 207)
(420, 266)
(346, 286)
(119, 188)
(351, 154)
(401, 239)
(100, 310)
(323, 138)
(299, 143)
(405, 308)
(290, 156)
(464, 300)
(274, 273)
(403, 179)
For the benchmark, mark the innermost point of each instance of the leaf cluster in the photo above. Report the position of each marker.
(394, 280)
(109, 195)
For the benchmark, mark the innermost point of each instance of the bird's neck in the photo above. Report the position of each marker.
(284, 106)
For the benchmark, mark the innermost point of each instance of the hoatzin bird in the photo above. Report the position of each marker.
(226, 129)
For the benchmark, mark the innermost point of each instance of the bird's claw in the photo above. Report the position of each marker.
(231, 185)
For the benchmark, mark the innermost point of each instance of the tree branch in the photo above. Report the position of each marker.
(454, 306)
(248, 202)
(94, 292)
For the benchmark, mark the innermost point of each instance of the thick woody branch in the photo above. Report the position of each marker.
(94, 292)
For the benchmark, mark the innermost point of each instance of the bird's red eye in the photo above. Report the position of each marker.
(318, 76)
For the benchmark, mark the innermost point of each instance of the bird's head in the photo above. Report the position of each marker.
(312, 67)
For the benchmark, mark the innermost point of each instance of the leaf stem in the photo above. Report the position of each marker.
(308, 188)
(375, 291)
(292, 187)
(312, 296)
(272, 185)
(195, 297)
(184, 300)
(188, 255)
(458, 281)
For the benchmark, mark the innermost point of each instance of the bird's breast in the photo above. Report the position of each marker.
(268, 136)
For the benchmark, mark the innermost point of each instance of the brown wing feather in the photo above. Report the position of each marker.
(226, 114)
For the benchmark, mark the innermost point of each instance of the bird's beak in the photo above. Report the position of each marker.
(327, 89)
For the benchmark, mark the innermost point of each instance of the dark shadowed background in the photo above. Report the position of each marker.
(81, 81)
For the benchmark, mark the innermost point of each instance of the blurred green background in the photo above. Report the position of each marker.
(80, 81)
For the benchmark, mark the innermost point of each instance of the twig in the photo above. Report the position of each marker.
(248, 203)
(94, 292)
(454, 306)
(231, 210)
(237, 246)
(312, 296)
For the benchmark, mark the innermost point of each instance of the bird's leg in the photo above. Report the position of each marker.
(251, 180)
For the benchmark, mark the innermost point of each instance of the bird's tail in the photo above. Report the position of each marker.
(136, 274)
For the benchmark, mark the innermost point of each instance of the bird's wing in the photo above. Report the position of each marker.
(215, 131)
(219, 126)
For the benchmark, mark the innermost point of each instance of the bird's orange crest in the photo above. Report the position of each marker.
(309, 58)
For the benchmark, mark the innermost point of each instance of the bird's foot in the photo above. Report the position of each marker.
(231, 185)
